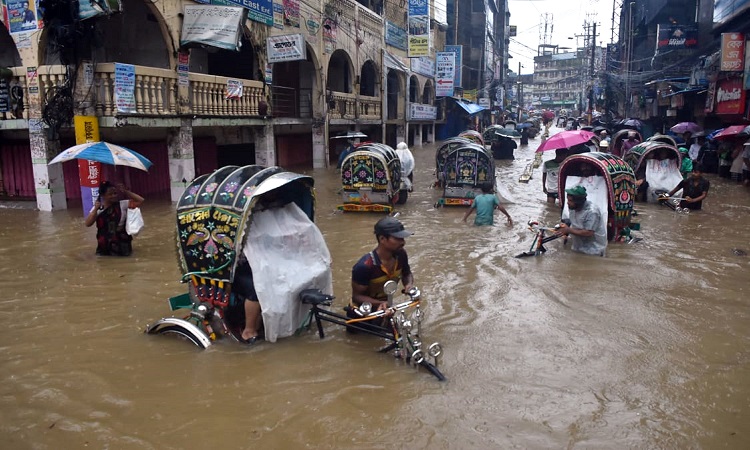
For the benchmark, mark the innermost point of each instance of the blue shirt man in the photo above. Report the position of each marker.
(485, 205)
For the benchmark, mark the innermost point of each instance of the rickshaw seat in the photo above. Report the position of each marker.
(315, 297)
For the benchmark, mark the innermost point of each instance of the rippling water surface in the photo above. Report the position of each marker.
(646, 348)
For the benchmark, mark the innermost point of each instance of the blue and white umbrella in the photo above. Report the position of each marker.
(106, 153)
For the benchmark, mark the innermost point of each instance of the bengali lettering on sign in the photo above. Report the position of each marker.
(395, 36)
(444, 73)
(732, 52)
(289, 47)
(418, 111)
(730, 96)
(419, 28)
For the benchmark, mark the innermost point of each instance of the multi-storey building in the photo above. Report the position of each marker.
(558, 78)
(304, 71)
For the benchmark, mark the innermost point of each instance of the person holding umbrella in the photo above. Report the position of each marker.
(109, 214)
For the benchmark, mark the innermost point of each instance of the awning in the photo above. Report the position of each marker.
(469, 107)
(696, 89)
(392, 62)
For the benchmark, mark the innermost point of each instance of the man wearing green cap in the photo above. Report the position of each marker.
(585, 223)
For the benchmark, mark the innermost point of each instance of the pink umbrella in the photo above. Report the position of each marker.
(729, 132)
(566, 139)
(682, 127)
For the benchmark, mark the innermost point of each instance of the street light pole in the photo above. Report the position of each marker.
(628, 62)
(520, 93)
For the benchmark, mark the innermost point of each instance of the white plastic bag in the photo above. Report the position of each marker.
(134, 222)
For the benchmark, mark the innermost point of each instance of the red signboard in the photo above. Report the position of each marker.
(732, 52)
(730, 97)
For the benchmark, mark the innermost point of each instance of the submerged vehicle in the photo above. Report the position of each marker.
(264, 217)
(253, 213)
(464, 169)
(610, 183)
(371, 179)
(618, 147)
(474, 136)
(658, 164)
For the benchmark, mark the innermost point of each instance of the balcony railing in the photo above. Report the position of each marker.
(341, 105)
(156, 91)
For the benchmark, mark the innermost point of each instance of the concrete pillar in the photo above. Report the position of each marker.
(320, 147)
(430, 133)
(400, 133)
(265, 146)
(49, 182)
(181, 158)
(417, 135)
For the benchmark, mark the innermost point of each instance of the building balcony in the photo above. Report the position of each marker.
(348, 107)
(155, 93)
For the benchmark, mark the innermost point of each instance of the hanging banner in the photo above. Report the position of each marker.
(423, 66)
(747, 67)
(419, 28)
(89, 172)
(125, 88)
(732, 52)
(444, 74)
(290, 47)
(216, 26)
(459, 51)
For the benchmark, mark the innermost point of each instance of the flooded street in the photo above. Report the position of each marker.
(646, 348)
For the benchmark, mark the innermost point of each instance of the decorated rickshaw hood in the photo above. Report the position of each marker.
(215, 210)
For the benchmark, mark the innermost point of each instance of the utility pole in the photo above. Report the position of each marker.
(591, 88)
(628, 60)
(520, 93)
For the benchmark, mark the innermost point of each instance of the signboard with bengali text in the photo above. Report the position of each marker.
(444, 74)
(290, 47)
(732, 52)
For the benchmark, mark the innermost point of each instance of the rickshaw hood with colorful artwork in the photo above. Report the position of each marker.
(474, 136)
(638, 155)
(469, 165)
(215, 211)
(372, 165)
(444, 150)
(620, 181)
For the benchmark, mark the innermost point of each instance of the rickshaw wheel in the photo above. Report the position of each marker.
(182, 334)
(402, 196)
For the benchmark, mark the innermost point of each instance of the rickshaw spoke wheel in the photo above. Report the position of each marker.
(180, 333)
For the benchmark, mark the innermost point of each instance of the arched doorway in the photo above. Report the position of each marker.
(428, 94)
(413, 89)
(340, 72)
(393, 93)
(293, 87)
(9, 56)
(368, 80)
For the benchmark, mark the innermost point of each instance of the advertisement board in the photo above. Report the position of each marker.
(423, 66)
(216, 26)
(290, 47)
(395, 36)
(459, 51)
(675, 37)
(419, 28)
(418, 111)
(445, 67)
(260, 11)
(732, 52)
(730, 96)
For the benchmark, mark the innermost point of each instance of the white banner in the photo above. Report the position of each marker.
(418, 111)
(290, 47)
(445, 67)
(217, 26)
(423, 66)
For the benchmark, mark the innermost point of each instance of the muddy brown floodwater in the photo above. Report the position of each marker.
(646, 348)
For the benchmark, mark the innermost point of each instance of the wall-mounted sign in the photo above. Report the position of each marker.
(418, 111)
(423, 66)
(313, 26)
(290, 47)
(278, 16)
(260, 11)
(730, 96)
(419, 28)
(675, 37)
(125, 88)
(216, 26)
(4, 95)
(732, 52)
(513, 30)
(444, 73)
(291, 13)
(459, 51)
(20, 15)
(395, 36)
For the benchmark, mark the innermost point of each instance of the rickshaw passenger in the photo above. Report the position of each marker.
(629, 143)
(584, 221)
(388, 261)
(485, 205)
(550, 171)
(244, 289)
(407, 160)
